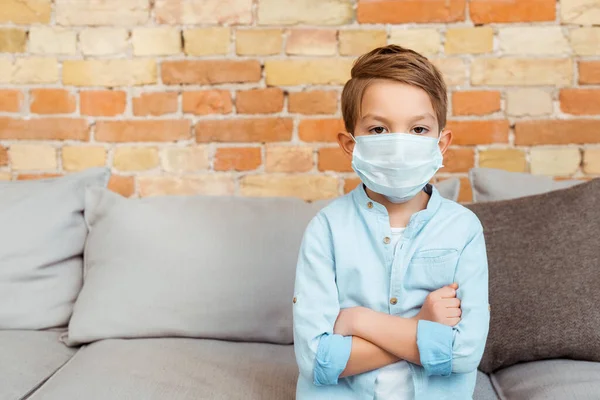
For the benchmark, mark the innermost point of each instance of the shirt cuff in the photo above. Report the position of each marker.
(332, 356)
(434, 341)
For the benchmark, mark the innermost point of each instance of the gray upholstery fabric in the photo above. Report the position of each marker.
(175, 369)
(495, 184)
(549, 380)
(42, 234)
(208, 267)
(484, 390)
(449, 188)
(544, 275)
(28, 358)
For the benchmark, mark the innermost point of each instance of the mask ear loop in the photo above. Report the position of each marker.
(353, 138)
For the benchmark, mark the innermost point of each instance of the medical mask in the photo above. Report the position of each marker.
(396, 165)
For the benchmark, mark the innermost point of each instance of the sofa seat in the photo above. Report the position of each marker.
(27, 359)
(549, 380)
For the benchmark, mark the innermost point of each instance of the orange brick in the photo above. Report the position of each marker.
(465, 194)
(314, 42)
(350, 184)
(479, 132)
(314, 102)
(320, 130)
(34, 177)
(410, 11)
(207, 102)
(259, 101)
(334, 159)
(155, 103)
(589, 72)
(52, 101)
(44, 129)
(3, 156)
(580, 101)
(237, 159)
(245, 130)
(288, 159)
(142, 131)
(10, 100)
(458, 160)
(490, 11)
(210, 72)
(123, 185)
(528, 133)
(475, 103)
(102, 103)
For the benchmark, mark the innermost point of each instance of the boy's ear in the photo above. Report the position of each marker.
(346, 143)
(445, 140)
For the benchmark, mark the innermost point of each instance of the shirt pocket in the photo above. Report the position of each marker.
(432, 269)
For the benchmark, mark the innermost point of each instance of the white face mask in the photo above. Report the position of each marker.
(396, 165)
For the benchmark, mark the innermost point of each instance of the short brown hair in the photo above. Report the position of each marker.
(397, 64)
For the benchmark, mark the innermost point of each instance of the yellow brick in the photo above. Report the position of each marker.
(156, 41)
(103, 41)
(26, 11)
(453, 69)
(206, 41)
(507, 159)
(261, 42)
(424, 41)
(109, 72)
(315, 42)
(533, 40)
(307, 187)
(527, 72)
(13, 40)
(197, 12)
(6, 70)
(528, 102)
(5, 176)
(310, 12)
(135, 158)
(357, 42)
(207, 185)
(582, 12)
(314, 71)
(105, 12)
(289, 159)
(35, 70)
(585, 41)
(591, 161)
(77, 158)
(52, 40)
(32, 157)
(185, 159)
(469, 40)
(555, 161)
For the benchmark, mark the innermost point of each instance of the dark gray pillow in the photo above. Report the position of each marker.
(544, 274)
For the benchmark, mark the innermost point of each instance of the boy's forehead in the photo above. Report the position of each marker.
(385, 98)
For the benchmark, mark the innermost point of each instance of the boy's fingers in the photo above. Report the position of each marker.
(451, 303)
(446, 292)
(452, 321)
(454, 286)
(453, 312)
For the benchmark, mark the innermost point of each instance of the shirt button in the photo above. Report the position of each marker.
(386, 240)
(393, 301)
(370, 205)
(294, 300)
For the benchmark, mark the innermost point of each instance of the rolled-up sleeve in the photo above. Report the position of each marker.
(321, 355)
(445, 350)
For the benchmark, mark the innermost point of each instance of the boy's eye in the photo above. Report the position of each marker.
(378, 130)
(420, 130)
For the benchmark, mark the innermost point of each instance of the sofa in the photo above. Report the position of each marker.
(103, 297)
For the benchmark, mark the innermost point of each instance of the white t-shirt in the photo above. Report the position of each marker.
(394, 381)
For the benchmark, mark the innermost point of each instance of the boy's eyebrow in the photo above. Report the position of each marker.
(421, 117)
(377, 117)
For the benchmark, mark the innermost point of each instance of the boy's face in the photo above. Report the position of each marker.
(394, 107)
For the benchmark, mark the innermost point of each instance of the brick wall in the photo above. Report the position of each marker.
(242, 96)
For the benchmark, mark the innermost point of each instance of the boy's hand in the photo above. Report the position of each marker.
(441, 306)
(347, 320)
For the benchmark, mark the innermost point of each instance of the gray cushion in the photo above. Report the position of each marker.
(175, 369)
(42, 234)
(544, 275)
(495, 184)
(207, 267)
(484, 390)
(449, 188)
(549, 380)
(27, 359)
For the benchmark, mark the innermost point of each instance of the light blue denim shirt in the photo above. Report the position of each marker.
(346, 260)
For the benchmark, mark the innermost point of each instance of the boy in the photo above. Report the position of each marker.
(391, 293)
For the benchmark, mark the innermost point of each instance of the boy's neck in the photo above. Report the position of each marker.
(400, 213)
